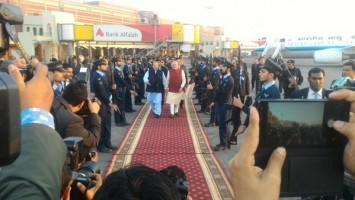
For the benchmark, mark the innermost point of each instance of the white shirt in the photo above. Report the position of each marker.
(315, 95)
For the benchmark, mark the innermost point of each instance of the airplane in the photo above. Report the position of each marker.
(332, 49)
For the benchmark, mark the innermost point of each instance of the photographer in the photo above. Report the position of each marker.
(68, 123)
(251, 182)
(348, 76)
(58, 78)
(36, 173)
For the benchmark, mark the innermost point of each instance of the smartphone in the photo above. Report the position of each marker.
(313, 165)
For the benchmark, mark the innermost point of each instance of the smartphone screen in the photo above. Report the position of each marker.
(313, 164)
(300, 123)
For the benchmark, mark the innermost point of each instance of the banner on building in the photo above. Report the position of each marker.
(189, 33)
(178, 32)
(150, 32)
(66, 32)
(116, 33)
(227, 45)
(84, 33)
(231, 45)
(234, 44)
(197, 35)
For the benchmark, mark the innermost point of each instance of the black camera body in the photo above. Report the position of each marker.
(313, 165)
(75, 150)
(10, 120)
(82, 174)
(85, 111)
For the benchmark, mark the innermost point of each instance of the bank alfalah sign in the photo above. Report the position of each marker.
(119, 33)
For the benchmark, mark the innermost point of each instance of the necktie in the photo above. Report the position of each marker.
(316, 95)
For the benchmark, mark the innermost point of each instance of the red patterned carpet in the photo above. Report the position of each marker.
(163, 142)
(167, 142)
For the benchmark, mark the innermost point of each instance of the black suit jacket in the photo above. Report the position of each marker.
(241, 87)
(69, 124)
(224, 94)
(303, 93)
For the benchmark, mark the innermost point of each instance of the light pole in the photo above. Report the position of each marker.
(155, 22)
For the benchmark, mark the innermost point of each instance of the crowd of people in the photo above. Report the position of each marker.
(86, 93)
(76, 98)
(223, 89)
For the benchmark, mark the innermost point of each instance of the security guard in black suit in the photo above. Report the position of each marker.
(202, 73)
(212, 90)
(102, 89)
(223, 101)
(119, 93)
(241, 90)
(268, 74)
(140, 83)
(128, 75)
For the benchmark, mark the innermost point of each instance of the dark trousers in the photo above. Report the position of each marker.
(137, 99)
(288, 92)
(120, 116)
(141, 88)
(281, 86)
(214, 115)
(105, 114)
(236, 120)
(162, 99)
(224, 114)
(128, 101)
(253, 82)
(204, 105)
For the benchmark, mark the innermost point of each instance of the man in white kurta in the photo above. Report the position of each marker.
(156, 83)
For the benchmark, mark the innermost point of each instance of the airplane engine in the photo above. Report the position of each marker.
(328, 56)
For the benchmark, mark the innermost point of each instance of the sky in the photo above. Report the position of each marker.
(253, 19)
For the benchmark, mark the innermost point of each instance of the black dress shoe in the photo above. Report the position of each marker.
(122, 124)
(176, 115)
(105, 150)
(219, 147)
(157, 116)
(209, 125)
(112, 147)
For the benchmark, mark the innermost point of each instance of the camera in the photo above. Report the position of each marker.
(10, 143)
(75, 149)
(83, 175)
(10, 129)
(313, 165)
(85, 111)
(79, 172)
